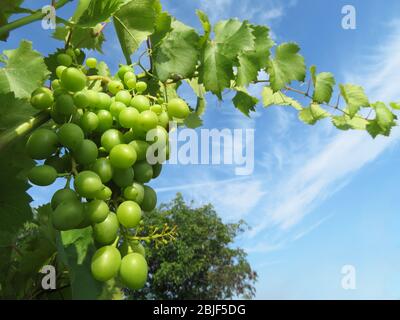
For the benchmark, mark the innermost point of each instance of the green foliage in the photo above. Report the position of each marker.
(201, 263)
(323, 85)
(9, 7)
(244, 102)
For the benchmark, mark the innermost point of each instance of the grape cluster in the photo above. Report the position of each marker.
(98, 140)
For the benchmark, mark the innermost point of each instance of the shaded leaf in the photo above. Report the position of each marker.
(193, 121)
(278, 98)
(244, 102)
(98, 11)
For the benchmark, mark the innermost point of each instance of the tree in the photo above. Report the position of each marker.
(201, 263)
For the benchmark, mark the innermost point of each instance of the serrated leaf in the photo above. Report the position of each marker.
(354, 96)
(244, 102)
(7, 8)
(252, 61)
(99, 11)
(323, 85)
(86, 38)
(200, 91)
(177, 54)
(134, 22)
(161, 28)
(193, 121)
(14, 111)
(384, 117)
(312, 114)
(205, 23)
(279, 99)
(24, 71)
(287, 66)
(344, 122)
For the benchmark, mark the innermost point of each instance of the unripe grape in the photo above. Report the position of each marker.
(123, 177)
(68, 215)
(135, 192)
(141, 103)
(64, 105)
(116, 108)
(140, 148)
(141, 86)
(42, 101)
(157, 170)
(103, 168)
(105, 120)
(114, 86)
(130, 79)
(42, 144)
(133, 271)
(87, 183)
(77, 52)
(122, 156)
(43, 175)
(123, 70)
(111, 138)
(73, 79)
(129, 214)
(64, 59)
(128, 117)
(81, 99)
(131, 83)
(89, 121)
(59, 71)
(106, 231)
(70, 52)
(147, 120)
(91, 62)
(93, 98)
(178, 108)
(149, 200)
(103, 194)
(96, 211)
(123, 96)
(143, 172)
(105, 263)
(157, 109)
(104, 101)
(70, 135)
(163, 119)
(56, 84)
(62, 195)
(86, 152)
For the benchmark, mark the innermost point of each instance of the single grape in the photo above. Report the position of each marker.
(133, 271)
(149, 200)
(87, 183)
(147, 120)
(70, 135)
(128, 117)
(141, 103)
(89, 121)
(130, 80)
(68, 215)
(123, 70)
(157, 109)
(62, 195)
(116, 108)
(64, 59)
(56, 84)
(42, 100)
(43, 175)
(104, 101)
(135, 192)
(64, 105)
(77, 52)
(70, 52)
(157, 170)
(123, 177)
(143, 172)
(122, 156)
(81, 99)
(123, 96)
(106, 231)
(96, 211)
(105, 263)
(91, 62)
(103, 194)
(103, 168)
(86, 152)
(129, 214)
(73, 79)
(105, 120)
(114, 86)
(141, 86)
(131, 247)
(111, 138)
(140, 148)
(42, 144)
(93, 98)
(178, 108)
(131, 83)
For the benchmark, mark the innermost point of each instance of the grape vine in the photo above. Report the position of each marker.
(67, 116)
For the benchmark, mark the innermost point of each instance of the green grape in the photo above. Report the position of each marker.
(163, 119)
(96, 211)
(42, 90)
(106, 231)
(141, 103)
(64, 105)
(93, 98)
(91, 62)
(157, 109)
(111, 138)
(103, 194)
(128, 117)
(123, 177)
(89, 121)
(178, 108)
(160, 100)
(77, 52)
(135, 192)
(159, 134)
(133, 271)
(43, 175)
(70, 52)
(131, 247)
(114, 86)
(81, 99)
(130, 80)
(105, 263)
(104, 101)
(59, 71)
(141, 149)
(138, 133)
(64, 59)
(61, 165)
(55, 84)
(59, 118)
(87, 183)
(86, 152)
(68, 215)
(73, 79)
(131, 83)
(123, 96)
(143, 172)
(149, 200)
(42, 100)
(42, 144)
(103, 168)
(105, 120)
(157, 170)
(122, 156)
(116, 108)
(141, 86)
(62, 195)
(70, 135)
(123, 70)
(129, 214)
(147, 120)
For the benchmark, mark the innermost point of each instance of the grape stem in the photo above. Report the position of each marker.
(171, 234)
(35, 16)
(20, 130)
(102, 78)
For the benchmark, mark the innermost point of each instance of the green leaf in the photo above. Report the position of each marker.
(8, 8)
(205, 23)
(200, 91)
(193, 121)
(13, 111)
(24, 71)
(252, 61)
(161, 28)
(344, 122)
(99, 11)
(313, 114)
(102, 69)
(384, 118)
(278, 99)
(244, 102)
(177, 54)
(355, 98)
(286, 67)
(395, 105)
(134, 22)
(52, 64)
(323, 85)
(88, 38)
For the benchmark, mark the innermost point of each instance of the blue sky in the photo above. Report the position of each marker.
(319, 199)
